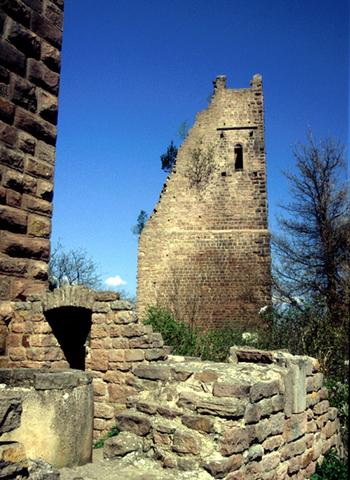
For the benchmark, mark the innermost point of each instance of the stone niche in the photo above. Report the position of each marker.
(57, 414)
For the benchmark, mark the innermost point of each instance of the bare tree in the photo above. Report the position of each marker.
(313, 250)
(201, 165)
(72, 267)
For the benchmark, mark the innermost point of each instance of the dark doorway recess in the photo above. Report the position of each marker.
(71, 326)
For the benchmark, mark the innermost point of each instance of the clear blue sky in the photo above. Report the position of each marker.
(132, 72)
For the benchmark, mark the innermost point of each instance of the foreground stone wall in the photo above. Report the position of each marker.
(204, 253)
(264, 416)
(50, 414)
(30, 44)
(114, 344)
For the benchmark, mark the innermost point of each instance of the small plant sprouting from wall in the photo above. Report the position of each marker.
(201, 165)
(112, 433)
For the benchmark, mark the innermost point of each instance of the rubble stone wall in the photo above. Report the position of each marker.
(30, 44)
(204, 253)
(264, 416)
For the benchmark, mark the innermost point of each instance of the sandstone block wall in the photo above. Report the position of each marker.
(30, 44)
(114, 343)
(204, 253)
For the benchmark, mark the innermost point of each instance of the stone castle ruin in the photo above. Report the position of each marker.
(205, 251)
(74, 363)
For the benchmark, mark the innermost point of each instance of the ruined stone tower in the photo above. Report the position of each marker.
(30, 45)
(204, 253)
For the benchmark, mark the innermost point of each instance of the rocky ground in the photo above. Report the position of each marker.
(131, 468)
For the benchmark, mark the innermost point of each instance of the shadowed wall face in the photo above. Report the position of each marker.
(205, 251)
(30, 44)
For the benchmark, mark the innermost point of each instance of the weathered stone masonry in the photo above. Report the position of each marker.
(73, 327)
(30, 44)
(204, 253)
(265, 416)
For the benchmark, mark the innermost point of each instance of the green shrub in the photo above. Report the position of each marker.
(175, 334)
(332, 468)
(309, 331)
(339, 398)
(185, 340)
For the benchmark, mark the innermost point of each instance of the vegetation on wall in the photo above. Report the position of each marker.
(201, 165)
(169, 157)
(332, 468)
(140, 223)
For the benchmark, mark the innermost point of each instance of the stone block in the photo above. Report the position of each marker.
(45, 190)
(134, 355)
(39, 169)
(12, 58)
(24, 95)
(151, 340)
(153, 354)
(36, 205)
(255, 452)
(26, 143)
(7, 111)
(120, 445)
(186, 442)
(152, 372)
(225, 388)
(24, 40)
(39, 226)
(236, 440)
(13, 198)
(293, 449)
(119, 393)
(36, 5)
(54, 14)
(116, 355)
(270, 426)
(4, 75)
(13, 460)
(223, 407)
(39, 128)
(16, 10)
(264, 389)
(103, 410)
(273, 443)
(133, 330)
(42, 27)
(13, 219)
(220, 467)
(10, 412)
(51, 57)
(99, 360)
(8, 135)
(11, 158)
(201, 423)
(314, 382)
(45, 152)
(295, 426)
(133, 422)
(21, 246)
(106, 296)
(147, 407)
(321, 407)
